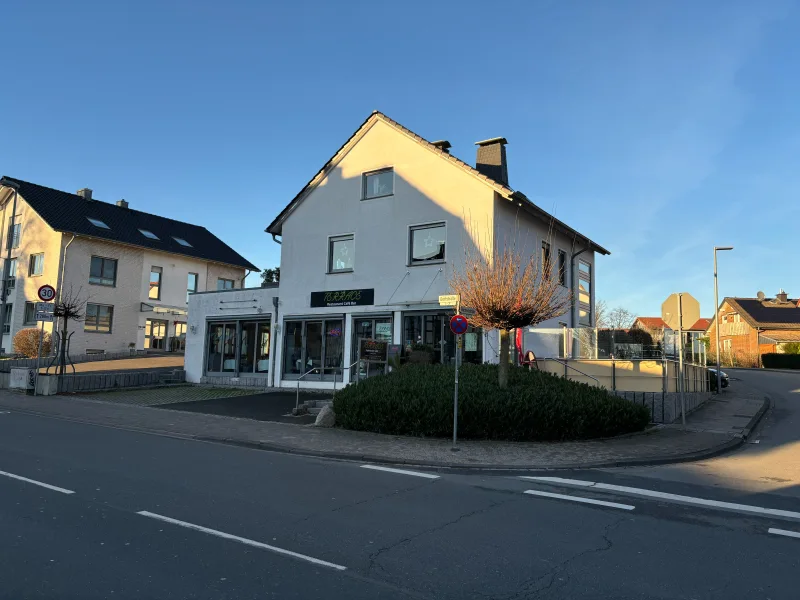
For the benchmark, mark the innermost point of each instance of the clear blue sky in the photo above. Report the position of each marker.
(657, 128)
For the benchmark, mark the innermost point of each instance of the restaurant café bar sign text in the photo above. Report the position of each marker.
(343, 298)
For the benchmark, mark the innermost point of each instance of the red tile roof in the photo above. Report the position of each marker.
(701, 325)
(651, 322)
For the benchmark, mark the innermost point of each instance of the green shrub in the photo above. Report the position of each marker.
(418, 400)
(773, 360)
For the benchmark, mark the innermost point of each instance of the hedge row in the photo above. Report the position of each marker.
(780, 361)
(418, 400)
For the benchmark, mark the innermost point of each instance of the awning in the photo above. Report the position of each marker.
(163, 310)
(781, 335)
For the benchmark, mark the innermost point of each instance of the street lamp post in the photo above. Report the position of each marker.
(4, 182)
(716, 316)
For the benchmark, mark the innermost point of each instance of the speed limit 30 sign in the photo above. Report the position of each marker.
(47, 293)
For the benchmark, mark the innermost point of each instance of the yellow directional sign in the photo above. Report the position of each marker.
(449, 300)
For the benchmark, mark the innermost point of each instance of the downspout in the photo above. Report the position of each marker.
(245, 277)
(275, 239)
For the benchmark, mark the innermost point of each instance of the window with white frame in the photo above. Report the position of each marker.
(14, 233)
(36, 265)
(427, 243)
(584, 293)
(726, 345)
(341, 254)
(377, 184)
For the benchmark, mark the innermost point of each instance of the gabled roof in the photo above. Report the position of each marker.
(767, 314)
(514, 196)
(70, 213)
(701, 325)
(651, 322)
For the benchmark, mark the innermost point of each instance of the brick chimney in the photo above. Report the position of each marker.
(782, 297)
(85, 193)
(491, 159)
(122, 203)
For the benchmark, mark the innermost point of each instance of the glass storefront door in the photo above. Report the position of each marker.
(155, 334)
(373, 329)
(240, 347)
(313, 344)
(431, 332)
(177, 342)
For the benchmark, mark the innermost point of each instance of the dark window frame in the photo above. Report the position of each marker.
(411, 261)
(94, 328)
(547, 258)
(340, 238)
(99, 279)
(364, 188)
(25, 319)
(189, 290)
(160, 282)
(223, 288)
(562, 267)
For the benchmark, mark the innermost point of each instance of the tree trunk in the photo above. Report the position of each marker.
(62, 359)
(505, 358)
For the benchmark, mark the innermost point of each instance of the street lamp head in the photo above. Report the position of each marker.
(717, 248)
(5, 181)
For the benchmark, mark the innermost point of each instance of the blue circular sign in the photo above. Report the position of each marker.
(458, 324)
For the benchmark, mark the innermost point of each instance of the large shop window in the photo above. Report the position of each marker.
(313, 345)
(371, 328)
(428, 337)
(240, 347)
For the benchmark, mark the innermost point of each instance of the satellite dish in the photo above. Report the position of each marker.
(761, 296)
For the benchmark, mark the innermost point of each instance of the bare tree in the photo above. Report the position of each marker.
(601, 314)
(69, 307)
(619, 318)
(507, 289)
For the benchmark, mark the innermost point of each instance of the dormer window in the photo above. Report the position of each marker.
(98, 223)
(148, 234)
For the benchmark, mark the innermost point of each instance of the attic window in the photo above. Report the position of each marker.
(98, 223)
(182, 241)
(148, 234)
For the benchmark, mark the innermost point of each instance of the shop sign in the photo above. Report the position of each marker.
(342, 298)
(373, 350)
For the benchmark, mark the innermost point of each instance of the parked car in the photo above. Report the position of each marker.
(712, 376)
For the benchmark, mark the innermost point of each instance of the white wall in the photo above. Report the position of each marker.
(255, 302)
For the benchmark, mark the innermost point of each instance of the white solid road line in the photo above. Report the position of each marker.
(242, 540)
(786, 532)
(759, 510)
(55, 488)
(579, 499)
(400, 471)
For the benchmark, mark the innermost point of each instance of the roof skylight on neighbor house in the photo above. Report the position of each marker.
(182, 241)
(98, 223)
(148, 234)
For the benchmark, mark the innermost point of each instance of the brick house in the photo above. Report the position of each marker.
(750, 327)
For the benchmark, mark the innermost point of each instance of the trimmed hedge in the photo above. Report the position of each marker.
(774, 360)
(418, 400)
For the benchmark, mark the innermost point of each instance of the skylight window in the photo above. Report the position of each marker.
(182, 241)
(148, 234)
(98, 223)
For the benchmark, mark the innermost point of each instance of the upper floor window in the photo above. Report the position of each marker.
(7, 317)
(148, 234)
(562, 268)
(427, 243)
(98, 223)
(36, 265)
(547, 265)
(14, 233)
(191, 285)
(378, 183)
(224, 284)
(155, 283)
(182, 241)
(12, 274)
(585, 293)
(341, 254)
(98, 318)
(103, 271)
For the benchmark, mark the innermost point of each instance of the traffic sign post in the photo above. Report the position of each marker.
(458, 325)
(44, 313)
(47, 293)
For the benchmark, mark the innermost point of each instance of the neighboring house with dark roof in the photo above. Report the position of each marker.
(661, 334)
(133, 270)
(750, 327)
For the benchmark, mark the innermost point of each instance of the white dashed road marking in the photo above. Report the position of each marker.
(55, 488)
(747, 508)
(400, 471)
(241, 540)
(787, 533)
(579, 499)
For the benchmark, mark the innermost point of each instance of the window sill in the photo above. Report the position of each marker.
(343, 272)
(35, 275)
(426, 263)
(93, 331)
(376, 197)
(31, 324)
(111, 285)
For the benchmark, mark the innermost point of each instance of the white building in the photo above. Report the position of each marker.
(132, 271)
(368, 246)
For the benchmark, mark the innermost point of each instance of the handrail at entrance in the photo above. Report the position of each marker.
(561, 362)
(297, 401)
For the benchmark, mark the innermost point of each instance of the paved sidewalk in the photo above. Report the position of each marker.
(707, 436)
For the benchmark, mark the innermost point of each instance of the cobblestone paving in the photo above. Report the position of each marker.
(164, 395)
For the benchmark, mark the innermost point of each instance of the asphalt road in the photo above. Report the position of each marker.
(158, 517)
